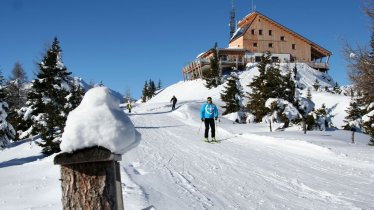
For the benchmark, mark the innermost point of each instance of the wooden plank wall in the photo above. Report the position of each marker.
(302, 51)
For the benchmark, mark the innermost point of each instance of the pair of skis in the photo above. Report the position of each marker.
(212, 142)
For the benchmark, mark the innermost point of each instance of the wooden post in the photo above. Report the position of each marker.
(304, 125)
(90, 179)
(353, 129)
(271, 130)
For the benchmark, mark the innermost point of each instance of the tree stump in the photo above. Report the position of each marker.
(90, 179)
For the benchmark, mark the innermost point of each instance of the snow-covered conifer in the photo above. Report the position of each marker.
(232, 95)
(309, 94)
(145, 92)
(212, 75)
(6, 129)
(151, 89)
(258, 95)
(323, 117)
(316, 85)
(48, 102)
(368, 122)
(159, 84)
(354, 114)
(17, 95)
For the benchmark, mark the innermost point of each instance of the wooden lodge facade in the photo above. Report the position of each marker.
(255, 35)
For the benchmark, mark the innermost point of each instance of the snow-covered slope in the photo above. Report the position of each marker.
(251, 168)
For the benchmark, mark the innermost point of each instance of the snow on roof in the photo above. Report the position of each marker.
(98, 121)
(239, 32)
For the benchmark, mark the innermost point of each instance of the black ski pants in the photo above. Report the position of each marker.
(173, 107)
(209, 122)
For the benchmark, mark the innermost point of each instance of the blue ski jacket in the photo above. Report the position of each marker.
(208, 111)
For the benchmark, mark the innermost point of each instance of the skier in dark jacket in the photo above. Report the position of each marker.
(209, 113)
(174, 100)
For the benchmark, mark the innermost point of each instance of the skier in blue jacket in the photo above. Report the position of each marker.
(209, 113)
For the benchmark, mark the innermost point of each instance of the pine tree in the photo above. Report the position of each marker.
(16, 87)
(7, 132)
(258, 95)
(316, 85)
(337, 88)
(231, 95)
(309, 94)
(159, 85)
(295, 73)
(323, 117)
(368, 125)
(289, 88)
(48, 100)
(74, 98)
(151, 89)
(212, 75)
(354, 115)
(145, 92)
(361, 65)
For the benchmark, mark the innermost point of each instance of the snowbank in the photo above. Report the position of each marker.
(98, 121)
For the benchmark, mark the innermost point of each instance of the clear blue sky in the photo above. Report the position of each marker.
(123, 43)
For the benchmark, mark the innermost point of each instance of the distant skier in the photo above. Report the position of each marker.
(209, 113)
(174, 100)
(129, 106)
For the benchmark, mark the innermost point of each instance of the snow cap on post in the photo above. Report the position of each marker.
(98, 121)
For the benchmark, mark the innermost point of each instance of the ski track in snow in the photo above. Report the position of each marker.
(172, 168)
(248, 171)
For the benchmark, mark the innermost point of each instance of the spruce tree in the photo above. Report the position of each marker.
(323, 117)
(151, 89)
(259, 94)
(316, 85)
(74, 98)
(17, 96)
(309, 94)
(145, 92)
(295, 73)
(212, 75)
(231, 95)
(7, 132)
(48, 99)
(159, 85)
(368, 122)
(289, 88)
(354, 115)
(337, 88)
(16, 87)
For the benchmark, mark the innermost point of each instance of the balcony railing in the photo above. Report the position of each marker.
(319, 65)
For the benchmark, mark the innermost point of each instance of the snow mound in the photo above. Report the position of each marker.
(186, 91)
(98, 121)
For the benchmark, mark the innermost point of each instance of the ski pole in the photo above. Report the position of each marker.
(200, 127)
(215, 125)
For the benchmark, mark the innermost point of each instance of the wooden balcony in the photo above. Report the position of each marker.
(322, 66)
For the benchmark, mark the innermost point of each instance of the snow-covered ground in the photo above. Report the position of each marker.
(251, 168)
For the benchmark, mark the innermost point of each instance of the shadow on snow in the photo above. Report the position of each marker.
(158, 127)
(20, 161)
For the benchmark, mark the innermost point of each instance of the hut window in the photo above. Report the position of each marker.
(282, 38)
(260, 32)
(294, 46)
(270, 32)
(255, 44)
(270, 45)
(253, 32)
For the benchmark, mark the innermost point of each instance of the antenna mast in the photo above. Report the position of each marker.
(232, 19)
